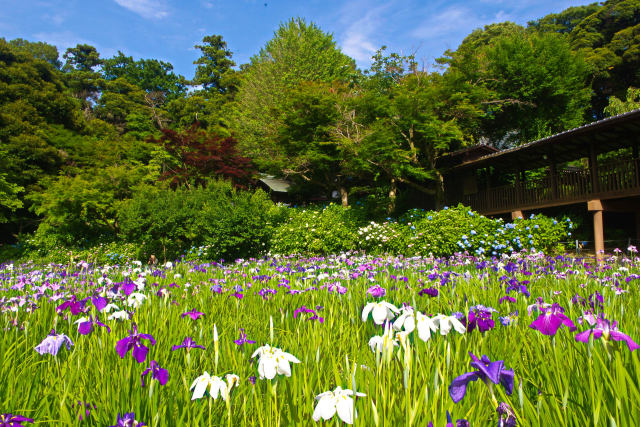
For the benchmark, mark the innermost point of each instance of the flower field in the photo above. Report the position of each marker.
(522, 340)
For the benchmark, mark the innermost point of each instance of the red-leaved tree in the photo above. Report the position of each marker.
(200, 155)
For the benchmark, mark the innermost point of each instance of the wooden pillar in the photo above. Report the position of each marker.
(595, 206)
(517, 214)
(598, 234)
(637, 228)
(518, 188)
(554, 178)
(593, 170)
(636, 170)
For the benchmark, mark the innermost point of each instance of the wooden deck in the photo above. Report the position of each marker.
(620, 178)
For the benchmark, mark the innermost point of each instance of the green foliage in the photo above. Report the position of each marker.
(329, 230)
(83, 206)
(39, 50)
(439, 233)
(619, 106)
(214, 68)
(150, 75)
(608, 40)
(536, 85)
(298, 52)
(167, 223)
(459, 229)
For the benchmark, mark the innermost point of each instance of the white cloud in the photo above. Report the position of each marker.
(357, 40)
(148, 9)
(450, 21)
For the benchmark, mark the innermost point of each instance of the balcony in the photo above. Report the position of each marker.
(615, 179)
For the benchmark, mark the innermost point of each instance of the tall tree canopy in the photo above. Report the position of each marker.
(298, 52)
(214, 69)
(536, 85)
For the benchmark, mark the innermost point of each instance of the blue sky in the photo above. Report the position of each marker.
(168, 29)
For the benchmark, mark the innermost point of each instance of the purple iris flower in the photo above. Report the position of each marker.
(53, 343)
(158, 373)
(193, 314)
(596, 301)
(304, 309)
(551, 319)
(487, 371)
(432, 292)
(83, 408)
(507, 416)
(10, 420)
(75, 307)
(480, 317)
(459, 423)
(515, 285)
(243, 339)
(509, 319)
(265, 293)
(128, 420)
(99, 302)
(128, 287)
(606, 329)
(188, 343)
(134, 341)
(506, 298)
(86, 327)
(376, 291)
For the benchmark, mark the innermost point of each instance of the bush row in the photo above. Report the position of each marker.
(219, 222)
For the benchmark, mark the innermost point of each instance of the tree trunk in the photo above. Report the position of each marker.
(344, 196)
(392, 196)
(439, 190)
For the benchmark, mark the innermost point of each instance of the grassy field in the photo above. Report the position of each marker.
(556, 379)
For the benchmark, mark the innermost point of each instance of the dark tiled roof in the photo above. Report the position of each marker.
(607, 134)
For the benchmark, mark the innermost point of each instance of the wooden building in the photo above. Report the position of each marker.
(596, 164)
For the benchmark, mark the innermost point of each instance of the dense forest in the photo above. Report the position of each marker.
(82, 136)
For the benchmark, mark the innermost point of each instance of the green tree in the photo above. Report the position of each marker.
(609, 39)
(39, 50)
(81, 77)
(214, 68)
(298, 52)
(619, 106)
(151, 75)
(535, 84)
(565, 21)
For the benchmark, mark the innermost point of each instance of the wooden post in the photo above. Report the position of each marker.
(517, 214)
(598, 234)
(518, 188)
(554, 178)
(595, 206)
(637, 228)
(593, 170)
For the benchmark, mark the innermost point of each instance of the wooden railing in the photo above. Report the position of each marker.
(614, 179)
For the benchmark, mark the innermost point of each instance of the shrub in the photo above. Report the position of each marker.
(168, 223)
(327, 230)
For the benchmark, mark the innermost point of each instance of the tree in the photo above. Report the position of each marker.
(298, 52)
(214, 68)
(81, 76)
(565, 21)
(39, 50)
(535, 85)
(609, 40)
(83, 57)
(150, 75)
(618, 106)
(198, 155)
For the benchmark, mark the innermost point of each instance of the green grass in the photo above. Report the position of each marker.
(558, 381)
